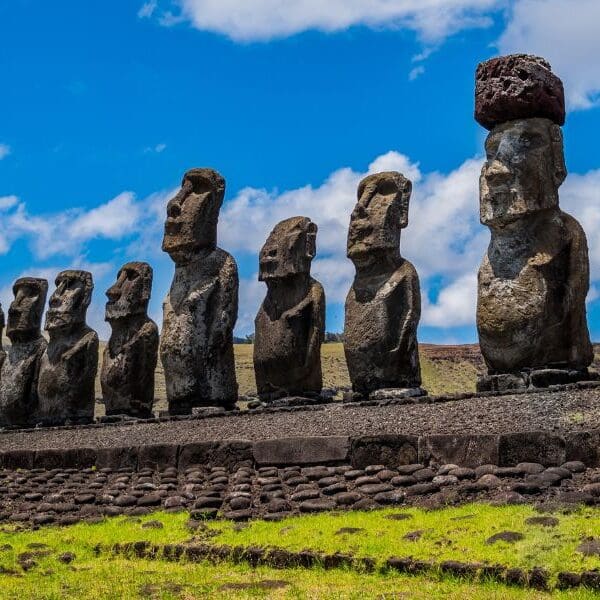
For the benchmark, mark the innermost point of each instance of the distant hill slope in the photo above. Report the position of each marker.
(445, 369)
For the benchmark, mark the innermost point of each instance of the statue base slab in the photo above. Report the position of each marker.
(397, 393)
(533, 378)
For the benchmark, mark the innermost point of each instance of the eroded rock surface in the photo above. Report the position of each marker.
(20, 363)
(70, 362)
(290, 325)
(129, 360)
(200, 311)
(517, 86)
(534, 278)
(383, 305)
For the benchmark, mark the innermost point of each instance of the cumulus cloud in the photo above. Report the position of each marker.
(4, 151)
(155, 149)
(68, 231)
(99, 270)
(564, 32)
(147, 9)
(443, 239)
(252, 20)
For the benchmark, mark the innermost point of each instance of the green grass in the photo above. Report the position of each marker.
(440, 376)
(121, 579)
(457, 533)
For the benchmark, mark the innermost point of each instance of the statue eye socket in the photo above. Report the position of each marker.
(386, 188)
(131, 275)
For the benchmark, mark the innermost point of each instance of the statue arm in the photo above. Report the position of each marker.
(227, 303)
(577, 288)
(317, 329)
(411, 295)
(83, 356)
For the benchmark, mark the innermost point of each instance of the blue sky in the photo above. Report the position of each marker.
(103, 107)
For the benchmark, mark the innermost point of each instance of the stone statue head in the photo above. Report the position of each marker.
(192, 215)
(379, 215)
(525, 167)
(130, 294)
(25, 311)
(289, 249)
(70, 300)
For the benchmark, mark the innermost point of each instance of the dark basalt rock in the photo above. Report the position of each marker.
(69, 364)
(290, 325)
(200, 311)
(129, 360)
(19, 365)
(383, 305)
(518, 86)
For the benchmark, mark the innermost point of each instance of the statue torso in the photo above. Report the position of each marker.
(521, 296)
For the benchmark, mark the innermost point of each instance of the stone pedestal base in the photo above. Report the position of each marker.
(397, 393)
(532, 378)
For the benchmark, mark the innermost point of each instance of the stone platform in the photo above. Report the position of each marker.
(548, 426)
(541, 445)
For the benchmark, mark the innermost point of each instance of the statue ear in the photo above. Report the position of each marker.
(311, 240)
(558, 153)
(405, 192)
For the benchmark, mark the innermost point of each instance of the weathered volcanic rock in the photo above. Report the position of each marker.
(200, 311)
(69, 364)
(534, 278)
(20, 363)
(129, 361)
(518, 86)
(290, 325)
(383, 305)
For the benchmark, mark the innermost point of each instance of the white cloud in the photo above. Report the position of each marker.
(580, 197)
(253, 20)
(155, 149)
(455, 305)
(99, 270)
(566, 33)
(416, 72)
(444, 238)
(69, 231)
(4, 151)
(7, 202)
(147, 9)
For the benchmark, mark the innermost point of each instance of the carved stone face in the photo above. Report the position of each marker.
(525, 167)
(70, 300)
(25, 312)
(379, 215)
(130, 293)
(289, 249)
(192, 215)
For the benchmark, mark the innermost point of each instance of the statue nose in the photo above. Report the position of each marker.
(113, 293)
(173, 211)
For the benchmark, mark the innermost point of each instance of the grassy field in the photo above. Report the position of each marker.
(443, 372)
(31, 565)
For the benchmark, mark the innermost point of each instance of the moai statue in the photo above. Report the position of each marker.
(69, 363)
(20, 363)
(129, 361)
(200, 311)
(383, 305)
(290, 325)
(534, 278)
